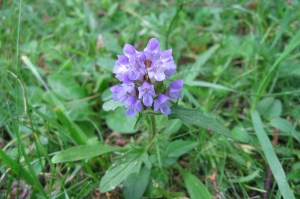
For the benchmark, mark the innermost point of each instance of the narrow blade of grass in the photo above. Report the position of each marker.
(271, 157)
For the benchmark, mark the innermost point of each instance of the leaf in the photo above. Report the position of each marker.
(179, 147)
(195, 187)
(136, 184)
(106, 63)
(208, 85)
(120, 123)
(82, 152)
(192, 72)
(119, 171)
(66, 87)
(271, 157)
(71, 128)
(16, 167)
(111, 105)
(269, 108)
(293, 44)
(197, 118)
(285, 126)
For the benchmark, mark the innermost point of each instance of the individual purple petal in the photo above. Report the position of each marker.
(175, 89)
(170, 68)
(152, 46)
(122, 91)
(146, 92)
(133, 105)
(166, 55)
(162, 103)
(156, 73)
(129, 50)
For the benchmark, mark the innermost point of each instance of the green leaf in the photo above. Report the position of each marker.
(195, 187)
(285, 126)
(119, 122)
(82, 152)
(208, 85)
(269, 108)
(136, 184)
(120, 170)
(111, 105)
(271, 157)
(197, 118)
(71, 128)
(293, 44)
(66, 87)
(179, 147)
(190, 73)
(106, 63)
(16, 167)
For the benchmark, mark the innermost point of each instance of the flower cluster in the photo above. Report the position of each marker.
(142, 74)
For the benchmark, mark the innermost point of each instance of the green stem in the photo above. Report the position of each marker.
(152, 126)
(152, 131)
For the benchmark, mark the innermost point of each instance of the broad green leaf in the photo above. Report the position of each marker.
(195, 187)
(106, 63)
(197, 118)
(269, 108)
(82, 152)
(136, 184)
(271, 157)
(120, 170)
(241, 134)
(111, 105)
(171, 127)
(66, 87)
(179, 147)
(285, 126)
(119, 122)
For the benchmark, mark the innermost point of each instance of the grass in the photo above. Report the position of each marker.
(240, 63)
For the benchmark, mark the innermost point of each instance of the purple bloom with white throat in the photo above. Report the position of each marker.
(175, 89)
(122, 91)
(133, 105)
(146, 91)
(162, 103)
(142, 74)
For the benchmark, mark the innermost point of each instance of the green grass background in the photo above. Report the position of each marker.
(236, 58)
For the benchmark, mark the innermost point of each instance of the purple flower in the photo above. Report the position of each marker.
(175, 89)
(159, 64)
(133, 105)
(129, 68)
(122, 91)
(162, 103)
(146, 91)
(139, 72)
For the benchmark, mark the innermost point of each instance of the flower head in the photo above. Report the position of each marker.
(133, 105)
(146, 91)
(175, 89)
(140, 73)
(162, 103)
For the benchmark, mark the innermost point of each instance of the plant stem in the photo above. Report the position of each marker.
(152, 126)
(152, 131)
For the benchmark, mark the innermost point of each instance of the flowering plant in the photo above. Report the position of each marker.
(142, 74)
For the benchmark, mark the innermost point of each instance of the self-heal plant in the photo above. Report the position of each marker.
(142, 74)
